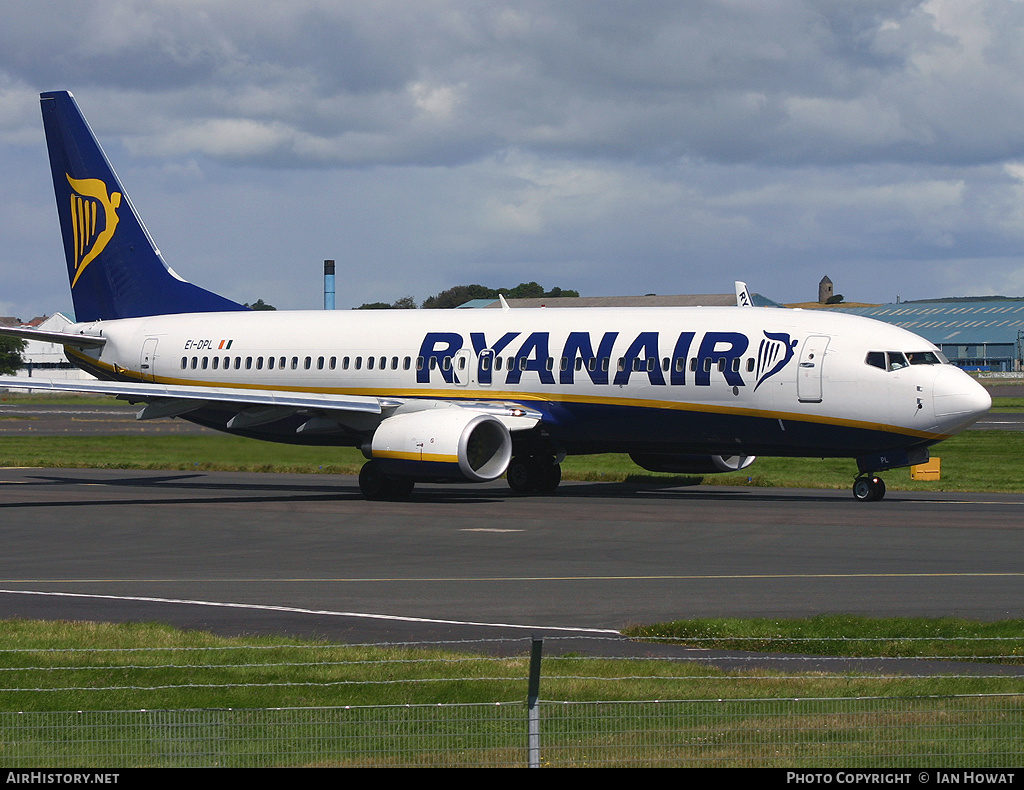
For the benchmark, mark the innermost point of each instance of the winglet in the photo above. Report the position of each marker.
(504, 304)
(743, 295)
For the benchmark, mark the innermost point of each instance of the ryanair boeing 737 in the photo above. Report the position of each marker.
(470, 395)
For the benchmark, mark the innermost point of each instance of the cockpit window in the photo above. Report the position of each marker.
(925, 358)
(876, 359)
(896, 360)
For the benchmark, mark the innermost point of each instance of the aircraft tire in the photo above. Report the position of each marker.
(868, 488)
(377, 486)
(549, 475)
(520, 476)
(533, 474)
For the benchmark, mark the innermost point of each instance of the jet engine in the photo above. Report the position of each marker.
(692, 464)
(452, 444)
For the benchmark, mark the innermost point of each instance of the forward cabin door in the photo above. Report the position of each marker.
(810, 370)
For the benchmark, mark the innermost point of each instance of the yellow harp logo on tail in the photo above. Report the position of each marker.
(93, 220)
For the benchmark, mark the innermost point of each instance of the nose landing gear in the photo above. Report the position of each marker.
(868, 488)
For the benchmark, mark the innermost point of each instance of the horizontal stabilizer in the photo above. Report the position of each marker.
(63, 338)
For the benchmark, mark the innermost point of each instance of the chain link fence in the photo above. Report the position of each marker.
(949, 732)
(754, 719)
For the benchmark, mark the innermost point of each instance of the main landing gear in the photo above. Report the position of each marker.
(533, 474)
(868, 488)
(377, 486)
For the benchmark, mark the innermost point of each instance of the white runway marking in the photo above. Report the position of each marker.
(298, 610)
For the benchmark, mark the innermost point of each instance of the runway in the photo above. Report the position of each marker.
(305, 555)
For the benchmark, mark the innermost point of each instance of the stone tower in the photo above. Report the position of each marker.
(824, 290)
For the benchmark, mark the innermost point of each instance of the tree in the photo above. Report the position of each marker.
(529, 290)
(835, 299)
(10, 355)
(259, 304)
(460, 294)
(405, 303)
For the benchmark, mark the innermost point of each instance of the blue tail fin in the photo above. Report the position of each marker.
(114, 267)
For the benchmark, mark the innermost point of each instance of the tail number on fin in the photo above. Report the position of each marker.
(91, 232)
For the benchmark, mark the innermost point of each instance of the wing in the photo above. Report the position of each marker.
(260, 406)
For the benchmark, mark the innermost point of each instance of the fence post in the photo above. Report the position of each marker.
(532, 698)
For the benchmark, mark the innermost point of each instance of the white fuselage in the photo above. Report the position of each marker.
(615, 379)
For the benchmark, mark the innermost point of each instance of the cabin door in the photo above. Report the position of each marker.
(810, 371)
(147, 360)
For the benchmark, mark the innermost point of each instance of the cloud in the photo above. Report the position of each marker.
(614, 148)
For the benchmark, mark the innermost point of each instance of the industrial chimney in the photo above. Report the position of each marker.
(328, 285)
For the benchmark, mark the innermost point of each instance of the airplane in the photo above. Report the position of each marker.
(470, 395)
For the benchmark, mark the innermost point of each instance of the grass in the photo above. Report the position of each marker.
(103, 695)
(851, 636)
(55, 666)
(972, 461)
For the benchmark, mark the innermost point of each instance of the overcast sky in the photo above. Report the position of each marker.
(611, 147)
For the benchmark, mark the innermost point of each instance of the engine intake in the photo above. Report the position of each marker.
(451, 444)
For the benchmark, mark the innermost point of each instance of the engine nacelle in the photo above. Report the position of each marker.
(692, 464)
(442, 444)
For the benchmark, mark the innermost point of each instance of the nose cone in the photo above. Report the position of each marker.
(959, 400)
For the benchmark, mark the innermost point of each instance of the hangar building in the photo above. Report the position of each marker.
(976, 334)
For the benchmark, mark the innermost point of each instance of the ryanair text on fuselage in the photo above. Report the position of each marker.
(590, 354)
